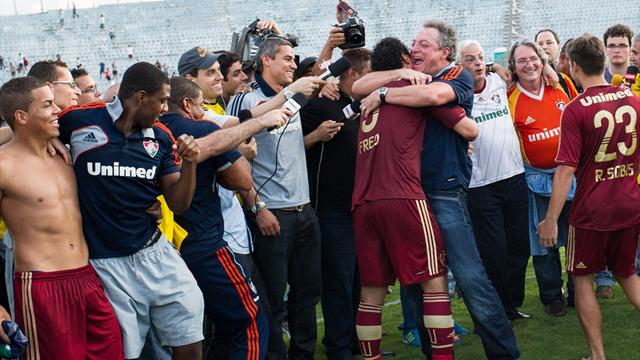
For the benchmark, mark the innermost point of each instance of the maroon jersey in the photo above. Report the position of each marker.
(599, 136)
(390, 149)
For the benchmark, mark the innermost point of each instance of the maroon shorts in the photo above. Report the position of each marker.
(66, 315)
(397, 237)
(589, 251)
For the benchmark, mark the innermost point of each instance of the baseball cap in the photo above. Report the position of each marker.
(304, 65)
(196, 58)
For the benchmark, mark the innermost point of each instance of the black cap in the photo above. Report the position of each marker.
(196, 58)
(304, 65)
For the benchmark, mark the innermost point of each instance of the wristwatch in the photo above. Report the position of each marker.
(288, 94)
(489, 66)
(259, 205)
(382, 92)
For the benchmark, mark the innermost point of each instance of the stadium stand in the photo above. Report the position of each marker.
(163, 30)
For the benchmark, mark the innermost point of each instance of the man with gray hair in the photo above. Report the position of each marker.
(445, 178)
(497, 196)
(287, 245)
(635, 51)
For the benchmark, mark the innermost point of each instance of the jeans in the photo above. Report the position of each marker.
(605, 278)
(409, 311)
(293, 257)
(340, 283)
(548, 267)
(499, 213)
(463, 259)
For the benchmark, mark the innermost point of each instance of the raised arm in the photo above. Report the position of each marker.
(237, 176)
(226, 139)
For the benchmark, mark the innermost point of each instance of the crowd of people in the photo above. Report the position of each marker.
(202, 215)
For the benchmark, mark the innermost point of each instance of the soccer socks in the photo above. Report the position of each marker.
(436, 310)
(369, 330)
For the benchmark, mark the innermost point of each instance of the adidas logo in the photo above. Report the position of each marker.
(90, 138)
(529, 120)
(581, 265)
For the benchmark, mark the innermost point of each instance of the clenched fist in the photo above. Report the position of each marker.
(187, 148)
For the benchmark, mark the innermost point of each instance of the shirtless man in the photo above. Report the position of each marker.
(59, 300)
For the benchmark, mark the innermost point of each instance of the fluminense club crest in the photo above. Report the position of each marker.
(151, 147)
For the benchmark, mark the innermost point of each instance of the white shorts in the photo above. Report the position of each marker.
(153, 286)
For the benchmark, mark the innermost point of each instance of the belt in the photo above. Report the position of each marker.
(153, 239)
(295, 208)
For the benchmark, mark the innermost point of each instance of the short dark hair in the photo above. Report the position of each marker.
(617, 30)
(141, 76)
(226, 60)
(387, 54)
(269, 47)
(76, 73)
(588, 52)
(555, 36)
(563, 50)
(182, 88)
(358, 58)
(15, 95)
(47, 70)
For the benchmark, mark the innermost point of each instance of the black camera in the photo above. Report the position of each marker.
(352, 27)
(245, 44)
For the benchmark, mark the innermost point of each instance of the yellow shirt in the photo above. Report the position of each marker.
(216, 108)
(169, 228)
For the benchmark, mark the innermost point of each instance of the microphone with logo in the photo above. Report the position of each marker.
(630, 76)
(336, 69)
(297, 102)
(351, 111)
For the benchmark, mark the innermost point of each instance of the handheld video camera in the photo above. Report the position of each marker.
(352, 27)
(245, 44)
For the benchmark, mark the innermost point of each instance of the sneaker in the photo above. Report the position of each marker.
(459, 329)
(411, 337)
(518, 315)
(556, 309)
(604, 292)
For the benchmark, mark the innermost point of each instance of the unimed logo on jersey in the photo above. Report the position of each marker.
(98, 169)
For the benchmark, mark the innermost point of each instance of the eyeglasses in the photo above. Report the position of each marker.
(90, 90)
(523, 61)
(72, 84)
(617, 46)
(472, 59)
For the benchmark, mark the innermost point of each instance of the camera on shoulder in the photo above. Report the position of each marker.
(352, 27)
(246, 42)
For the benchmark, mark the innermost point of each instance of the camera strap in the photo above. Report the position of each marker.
(347, 9)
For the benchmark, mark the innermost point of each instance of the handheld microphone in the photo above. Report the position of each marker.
(617, 80)
(297, 102)
(335, 69)
(630, 76)
(351, 111)
(244, 115)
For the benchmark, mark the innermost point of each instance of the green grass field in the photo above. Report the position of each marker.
(540, 338)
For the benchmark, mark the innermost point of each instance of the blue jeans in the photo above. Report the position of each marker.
(548, 267)
(409, 311)
(340, 283)
(463, 259)
(605, 277)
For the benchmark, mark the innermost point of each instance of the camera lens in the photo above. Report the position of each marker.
(355, 35)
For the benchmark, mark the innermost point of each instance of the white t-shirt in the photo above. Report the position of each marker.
(496, 151)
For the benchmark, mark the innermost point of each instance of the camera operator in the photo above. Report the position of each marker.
(331, 156)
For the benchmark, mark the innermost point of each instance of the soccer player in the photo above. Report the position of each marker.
(59, 299)
(123, 160)
(598, 142)
(396, 233)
